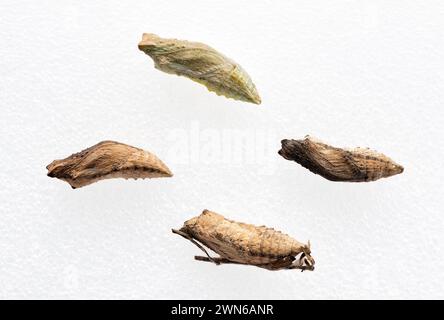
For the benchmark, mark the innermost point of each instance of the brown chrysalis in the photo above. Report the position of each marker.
(106, 160)
(246, 244)
(336, 164)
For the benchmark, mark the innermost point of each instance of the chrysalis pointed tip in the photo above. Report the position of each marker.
(148, 39)
(256, 100)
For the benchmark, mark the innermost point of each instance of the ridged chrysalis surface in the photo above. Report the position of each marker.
(242, 243)
(336, 164)
(202, 64)
(106, 160)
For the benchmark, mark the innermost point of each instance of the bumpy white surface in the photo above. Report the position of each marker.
(354, 73)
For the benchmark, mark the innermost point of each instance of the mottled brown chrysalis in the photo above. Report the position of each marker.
(336, 164)
(246, 244)
(106, 160)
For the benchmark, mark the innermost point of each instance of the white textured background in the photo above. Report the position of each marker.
(353, 73)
